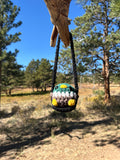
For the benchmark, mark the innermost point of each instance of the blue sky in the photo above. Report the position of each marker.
(36, 30)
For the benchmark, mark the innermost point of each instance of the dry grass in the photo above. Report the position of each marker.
(22, 97)
(29, 123)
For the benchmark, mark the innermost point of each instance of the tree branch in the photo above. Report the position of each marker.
(100, 58)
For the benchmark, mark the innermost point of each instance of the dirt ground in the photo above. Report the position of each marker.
(93, 139)
(84, 134)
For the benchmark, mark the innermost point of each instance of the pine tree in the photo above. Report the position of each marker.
(12, 76)
(45, 73)
(65, 63)
(8, 14)
(97, 40)
(114, 4)
(32, 79)
(39, 74)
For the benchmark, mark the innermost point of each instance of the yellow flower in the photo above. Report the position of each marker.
(71, 102)
(54, 102)
(63, 86)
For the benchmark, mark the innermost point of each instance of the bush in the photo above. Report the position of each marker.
(15, 109)
(99, 92)
(112, 109)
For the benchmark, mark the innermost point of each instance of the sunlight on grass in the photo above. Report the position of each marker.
(27, 118)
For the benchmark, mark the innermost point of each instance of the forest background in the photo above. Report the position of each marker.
(96, 42)
(29, 127)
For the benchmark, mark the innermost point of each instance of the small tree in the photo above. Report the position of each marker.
(8, 14)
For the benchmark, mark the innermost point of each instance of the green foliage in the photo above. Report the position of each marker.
(90, 37)
(10, 69)
(12, 76)
(96, 33)
(115, 79)
(97, 41)
(66, 65)
(82, 2)
(99, 92)
(115, 8)
(31, 75)
(98, 78)
(65, 61)
(38, 74)
(8, 14)
(45, 73)
(64, 78)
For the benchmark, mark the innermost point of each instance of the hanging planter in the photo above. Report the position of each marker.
(63, 96)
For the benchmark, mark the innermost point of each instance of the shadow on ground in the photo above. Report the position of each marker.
(5, 114)
(23, 131)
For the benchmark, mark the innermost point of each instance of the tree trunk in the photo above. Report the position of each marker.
(33, 89)
(0, 76)
(6, 92)
(10, 92)
(107, 79)
(0, 79)
(45, 89)
(1, 24)
(106, 61)
(105, 73)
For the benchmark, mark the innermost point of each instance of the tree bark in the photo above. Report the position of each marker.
(6, 92)
(0, 67)
(107, 78)
(0, 77)
(32, 88)
(10, 90)
(106, 74)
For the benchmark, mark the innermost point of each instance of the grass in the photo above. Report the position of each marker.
(27, 117)
(34, 104)
(99, 92)
(20, 98)
(24, 97)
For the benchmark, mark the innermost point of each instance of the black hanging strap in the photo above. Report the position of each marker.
(55, 64)
(73, 61)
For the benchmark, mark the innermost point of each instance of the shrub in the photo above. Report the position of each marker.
(15, 109)
(99, 92)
